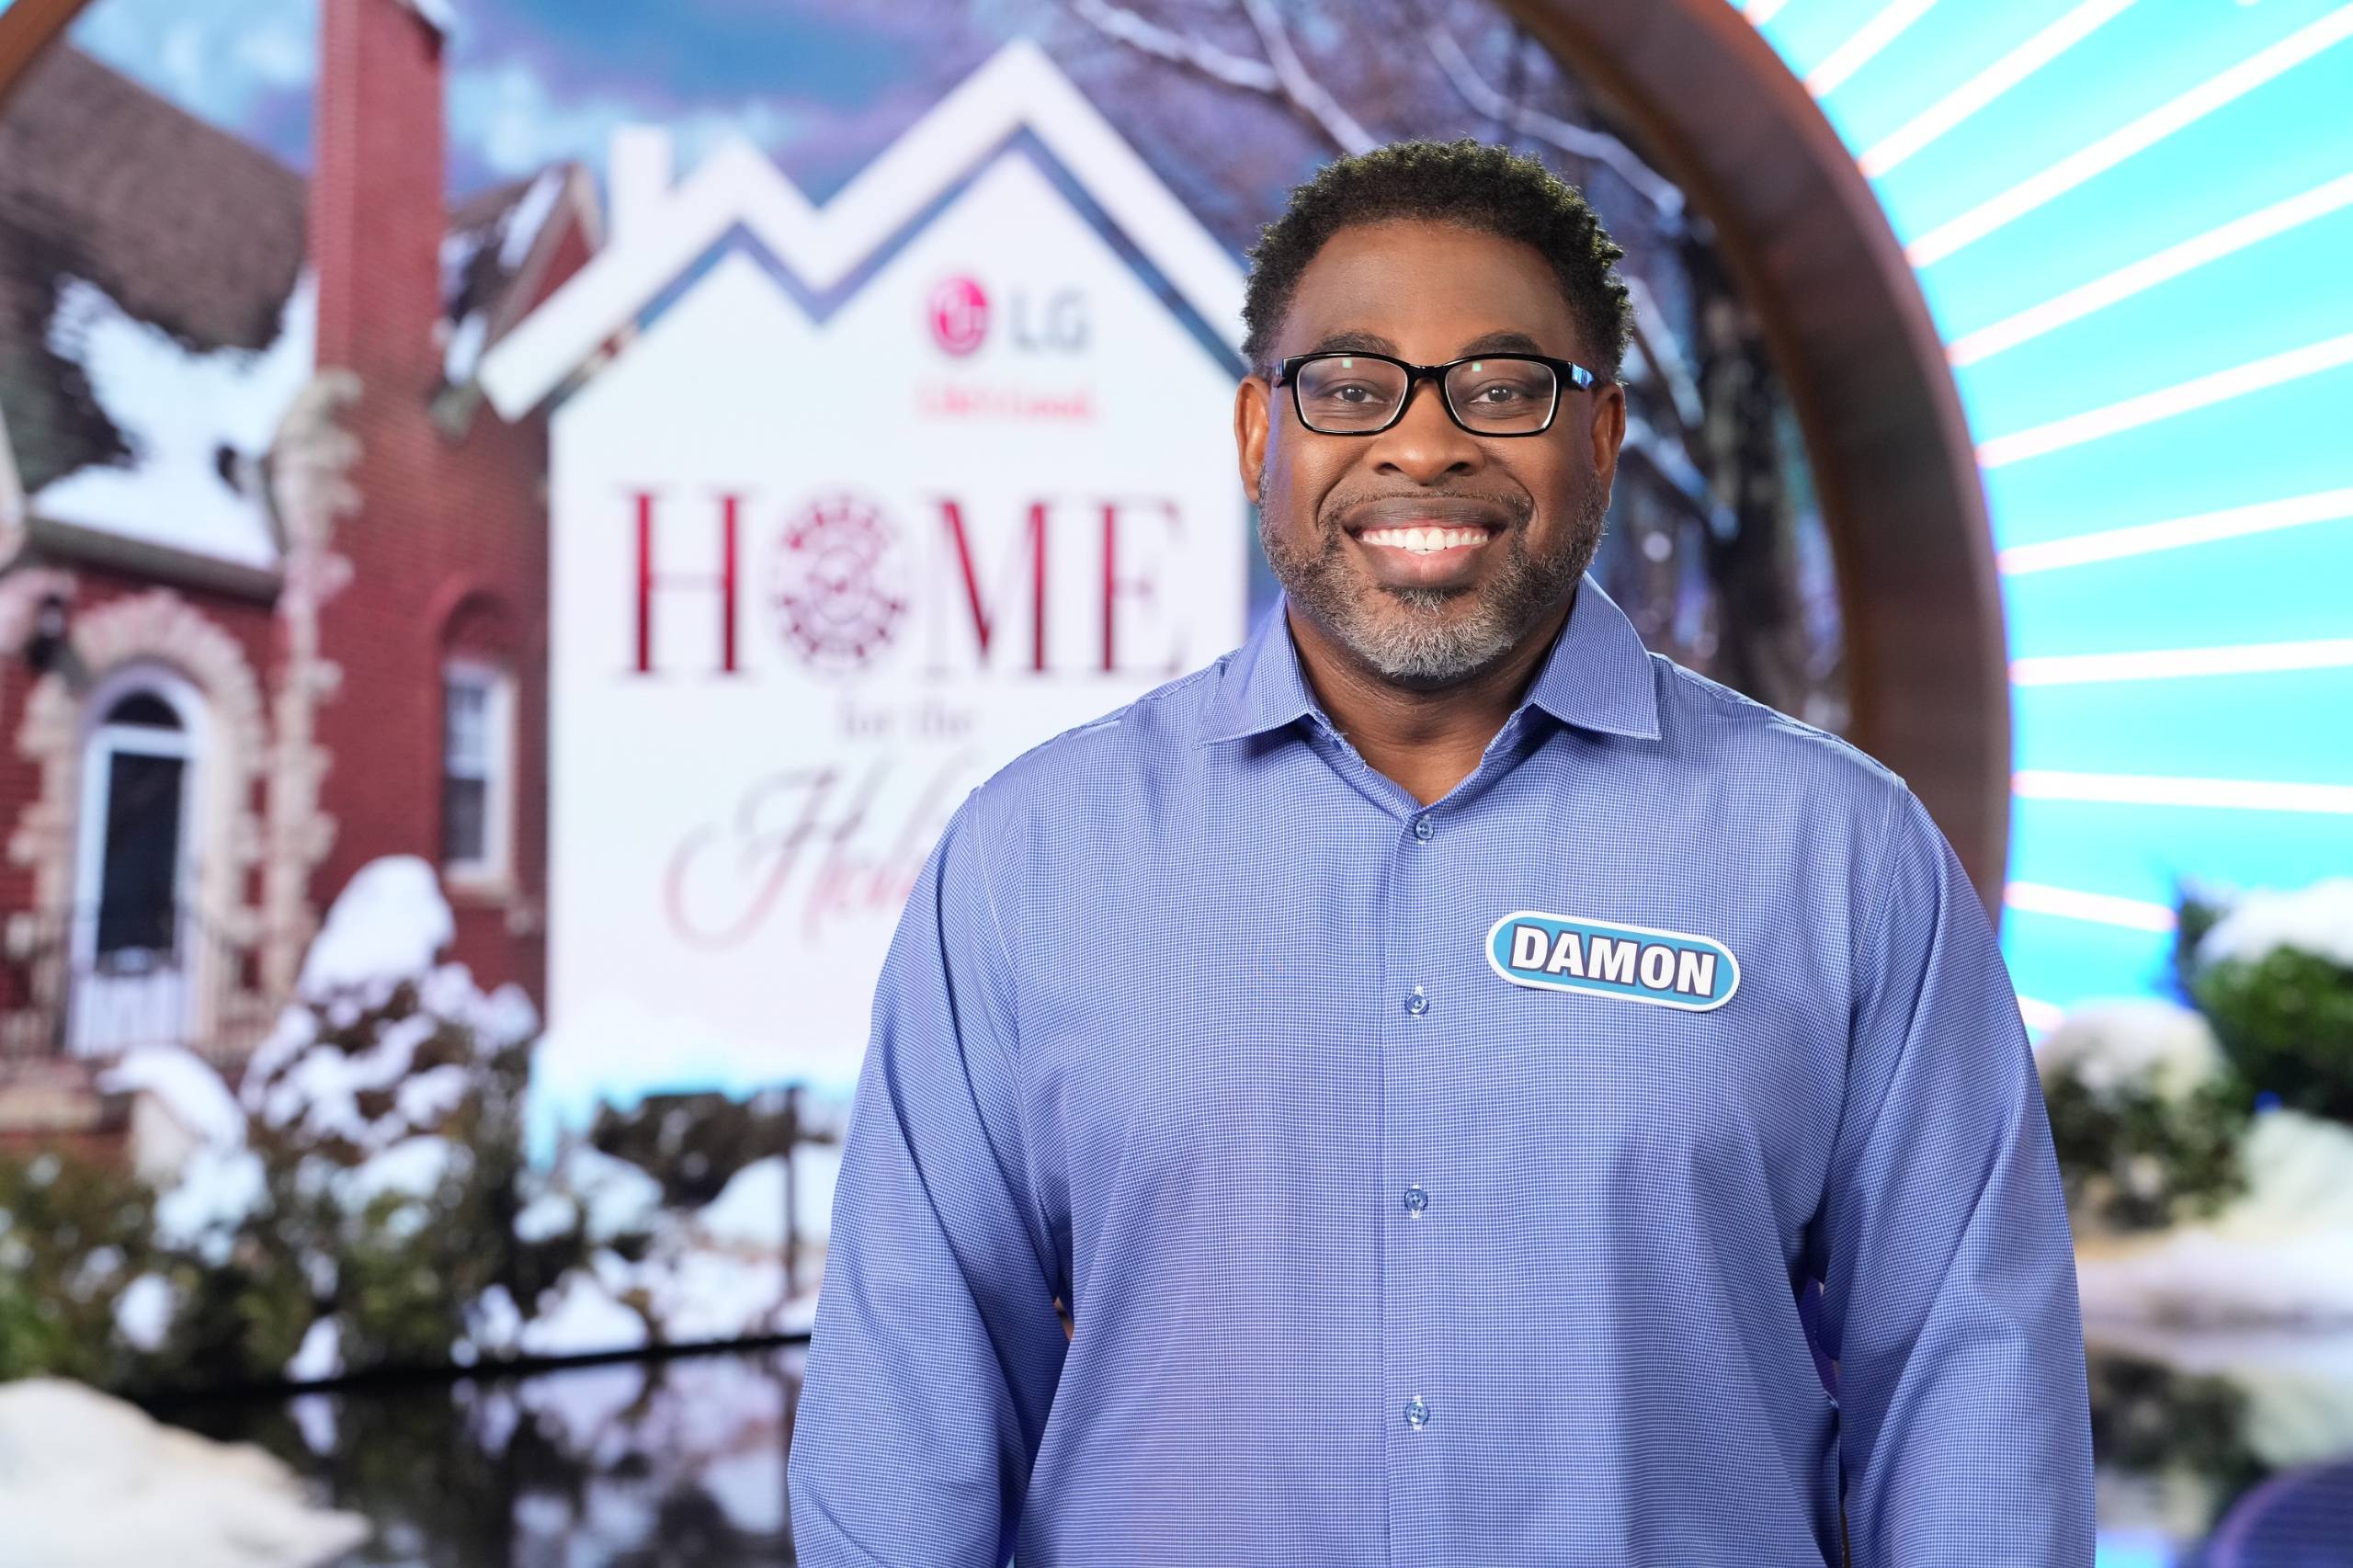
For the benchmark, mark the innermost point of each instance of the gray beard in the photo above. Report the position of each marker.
(1424, 648)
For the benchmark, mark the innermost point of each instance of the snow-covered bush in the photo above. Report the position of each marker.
(2152, 1102)
(2145, 1118)
(2273, 972)
(362, 1199)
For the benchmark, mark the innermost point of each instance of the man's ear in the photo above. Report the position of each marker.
(1608, 431)
(1250, 407)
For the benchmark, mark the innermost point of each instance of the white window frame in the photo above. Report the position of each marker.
(495, 866)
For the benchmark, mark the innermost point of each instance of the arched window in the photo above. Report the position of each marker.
(145, 709)
(477, 770)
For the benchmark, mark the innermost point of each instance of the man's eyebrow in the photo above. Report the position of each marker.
(1502, 343)
(1363, 342)
(1373, 343)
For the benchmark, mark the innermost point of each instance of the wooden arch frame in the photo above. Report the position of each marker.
(1808, 245)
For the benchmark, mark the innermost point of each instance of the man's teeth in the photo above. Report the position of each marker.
(1425, 541)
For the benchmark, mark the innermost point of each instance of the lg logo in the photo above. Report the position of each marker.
(959, 314)
(1051, 322)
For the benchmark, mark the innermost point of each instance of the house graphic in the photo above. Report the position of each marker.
(849, 506)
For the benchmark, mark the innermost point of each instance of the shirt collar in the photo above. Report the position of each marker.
(1597, 675)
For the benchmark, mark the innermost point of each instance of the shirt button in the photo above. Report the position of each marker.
(1417, 1004)
(1416, 1200)
(1418, 1413)
(1422, 829)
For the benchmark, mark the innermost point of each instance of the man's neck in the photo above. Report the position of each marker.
(1426, 741)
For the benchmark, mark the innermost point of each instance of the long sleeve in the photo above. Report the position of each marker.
(1950, 1282)
(936, 1347)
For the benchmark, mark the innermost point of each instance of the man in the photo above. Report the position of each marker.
(1432, 1050)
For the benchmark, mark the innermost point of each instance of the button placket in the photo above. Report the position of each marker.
(1413, 1357)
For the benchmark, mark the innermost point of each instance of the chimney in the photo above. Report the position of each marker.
(377, 202)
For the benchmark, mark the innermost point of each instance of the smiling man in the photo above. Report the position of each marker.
(1443, 1055)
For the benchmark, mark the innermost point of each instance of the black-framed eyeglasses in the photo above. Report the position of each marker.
(1346, 392)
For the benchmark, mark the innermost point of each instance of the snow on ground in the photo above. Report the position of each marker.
(2192, 1277)
(707, 1297)
(178, 409)
(2280, 1253)
(621, 1050)
(89, 1481)
(749, 1210)
(797, 1315)
(815, 1168)
(615, 1198)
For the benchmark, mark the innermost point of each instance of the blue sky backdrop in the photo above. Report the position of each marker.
(821, 84)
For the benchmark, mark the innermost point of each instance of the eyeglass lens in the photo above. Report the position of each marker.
(1502, 394)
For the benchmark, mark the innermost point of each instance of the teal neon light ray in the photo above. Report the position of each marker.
(2132, 221)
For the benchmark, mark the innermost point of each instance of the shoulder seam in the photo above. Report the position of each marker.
(1726, 696)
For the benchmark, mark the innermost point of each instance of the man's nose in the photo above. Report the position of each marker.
(1426, 444)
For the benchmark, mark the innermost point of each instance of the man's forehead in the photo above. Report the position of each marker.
(1439, 289)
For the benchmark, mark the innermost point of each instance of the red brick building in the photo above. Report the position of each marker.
(272, 574)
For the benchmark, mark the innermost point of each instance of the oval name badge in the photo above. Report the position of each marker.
(1632, 963)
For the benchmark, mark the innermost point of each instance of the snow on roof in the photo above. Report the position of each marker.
(491, 238)
(458, 361)
(190, 417)
(144, 239)
(441, 14)
(523, 221)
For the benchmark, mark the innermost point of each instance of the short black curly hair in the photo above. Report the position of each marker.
(1463, 182)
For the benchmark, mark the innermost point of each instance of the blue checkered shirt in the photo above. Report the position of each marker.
(1391, 1235)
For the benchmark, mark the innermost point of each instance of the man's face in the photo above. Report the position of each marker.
(1523, 513)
